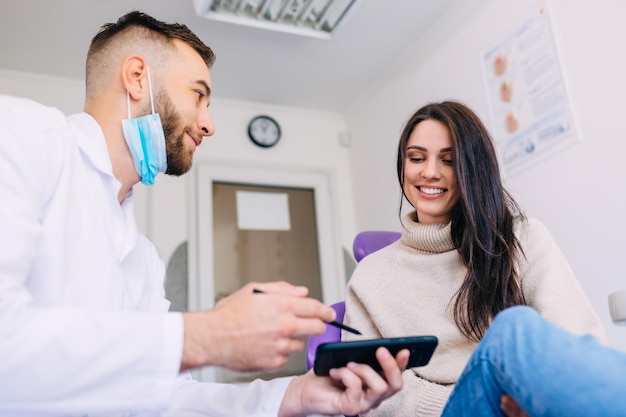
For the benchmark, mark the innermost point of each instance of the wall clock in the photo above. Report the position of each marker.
(264, 131)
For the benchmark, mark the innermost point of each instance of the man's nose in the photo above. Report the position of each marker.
(206, 124)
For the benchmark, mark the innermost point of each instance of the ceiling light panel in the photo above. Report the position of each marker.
(317, 18)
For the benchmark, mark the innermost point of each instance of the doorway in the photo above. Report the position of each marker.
(246, 253)
(308, 254)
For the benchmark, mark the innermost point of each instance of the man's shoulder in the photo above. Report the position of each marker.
(45, 127)
(16, 102)
(38, 137)
(20, 108)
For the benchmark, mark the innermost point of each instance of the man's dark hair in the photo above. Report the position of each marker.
(137, 32)
(168, 31)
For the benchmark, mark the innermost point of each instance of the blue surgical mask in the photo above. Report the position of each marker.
(146, 141)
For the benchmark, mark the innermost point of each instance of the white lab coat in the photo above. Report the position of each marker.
(84, 327)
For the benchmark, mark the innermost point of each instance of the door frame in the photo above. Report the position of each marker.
(201, 245)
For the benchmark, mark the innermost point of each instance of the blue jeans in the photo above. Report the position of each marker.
(545, 369)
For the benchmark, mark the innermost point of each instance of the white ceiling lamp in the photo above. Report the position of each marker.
(316, 18)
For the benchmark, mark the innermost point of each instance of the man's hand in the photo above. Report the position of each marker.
(352, 390)
(253, 332)
(510, 408)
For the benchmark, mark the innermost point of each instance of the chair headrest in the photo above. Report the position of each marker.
(370, 241)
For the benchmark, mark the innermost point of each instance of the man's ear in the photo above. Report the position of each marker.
(135, 76)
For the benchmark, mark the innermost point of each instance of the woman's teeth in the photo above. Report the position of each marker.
(431, 191)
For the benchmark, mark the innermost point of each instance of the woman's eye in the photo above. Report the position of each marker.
(447, 161)
(200, 95)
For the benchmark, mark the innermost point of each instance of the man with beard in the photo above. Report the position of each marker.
(84, 326)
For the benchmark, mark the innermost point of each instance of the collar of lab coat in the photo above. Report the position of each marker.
(92, 144)
(91, 141)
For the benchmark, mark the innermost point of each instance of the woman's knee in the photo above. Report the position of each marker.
(513, 320)
(516, 316)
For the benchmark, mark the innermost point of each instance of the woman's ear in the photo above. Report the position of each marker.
(135, 77)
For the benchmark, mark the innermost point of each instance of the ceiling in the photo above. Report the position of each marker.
(52, 37)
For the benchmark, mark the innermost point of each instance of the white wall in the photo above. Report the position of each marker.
(576, 193)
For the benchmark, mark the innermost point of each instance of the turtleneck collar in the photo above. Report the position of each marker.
(434, 238)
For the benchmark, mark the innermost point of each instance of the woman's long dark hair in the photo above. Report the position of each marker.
(482, 220)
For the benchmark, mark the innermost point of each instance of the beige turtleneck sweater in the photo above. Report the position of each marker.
(407, 289)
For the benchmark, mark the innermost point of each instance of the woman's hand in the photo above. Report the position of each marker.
(352, 390)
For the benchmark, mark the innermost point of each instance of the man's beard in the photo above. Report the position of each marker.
(178, 160)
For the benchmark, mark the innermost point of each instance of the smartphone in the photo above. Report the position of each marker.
(338, 354)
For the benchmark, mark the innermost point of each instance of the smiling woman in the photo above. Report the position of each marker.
(466, 253)
(430, 185)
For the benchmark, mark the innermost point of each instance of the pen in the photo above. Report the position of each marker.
(332, 323)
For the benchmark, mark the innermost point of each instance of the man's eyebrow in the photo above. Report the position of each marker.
(207, 89)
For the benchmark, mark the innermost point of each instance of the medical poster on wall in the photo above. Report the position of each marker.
(530, 108)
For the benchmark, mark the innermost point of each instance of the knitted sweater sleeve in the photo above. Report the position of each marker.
(418, 397)
(550, 285)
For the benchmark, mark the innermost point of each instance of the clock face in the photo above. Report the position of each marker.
(264, 131)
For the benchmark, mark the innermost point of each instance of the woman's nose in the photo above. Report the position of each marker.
(431, 169)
